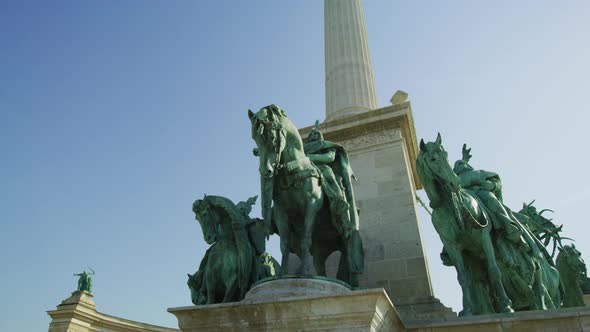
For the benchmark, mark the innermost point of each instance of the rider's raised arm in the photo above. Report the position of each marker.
(326, 158)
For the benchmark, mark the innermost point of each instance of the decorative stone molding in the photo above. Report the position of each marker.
(373, 129)
(366, 310)
(78, 314)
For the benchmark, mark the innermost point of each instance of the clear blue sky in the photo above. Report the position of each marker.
(116, 115)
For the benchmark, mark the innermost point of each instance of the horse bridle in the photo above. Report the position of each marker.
(458, 203)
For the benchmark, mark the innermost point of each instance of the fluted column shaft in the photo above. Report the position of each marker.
(350, 87)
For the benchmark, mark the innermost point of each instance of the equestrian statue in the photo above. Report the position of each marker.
(500, 265)
(236, 258)
(307, 196)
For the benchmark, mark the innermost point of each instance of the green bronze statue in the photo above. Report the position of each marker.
(500, 265)
(306, 195)
(336, 174)
(585, 281)
(85, 281)
(488, 188)
(569, 262)
(236, 258)
(571, 266)
(544, 229)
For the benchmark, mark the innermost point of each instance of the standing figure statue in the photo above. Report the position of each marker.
(307, 197)
(85, 281)
(236, 258)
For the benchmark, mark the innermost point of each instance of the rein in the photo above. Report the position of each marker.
(291, 166)
(457, 202)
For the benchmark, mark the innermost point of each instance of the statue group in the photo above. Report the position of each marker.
(501, 256)
(307, 200)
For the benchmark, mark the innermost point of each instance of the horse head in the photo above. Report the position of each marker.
(208, 219)
(434, 167)
(572, 258)
(269, 135)
(270, 138)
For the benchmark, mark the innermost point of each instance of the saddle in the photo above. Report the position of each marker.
(295, 172)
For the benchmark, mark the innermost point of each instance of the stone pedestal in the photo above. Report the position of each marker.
(78, 314)
(294, 287)
(71, 314)
(295, 305)
(557, 320)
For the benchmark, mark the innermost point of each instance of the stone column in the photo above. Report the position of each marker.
(350, 88)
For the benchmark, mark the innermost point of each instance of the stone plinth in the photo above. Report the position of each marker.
(558, 320)
(78, 314)
(294, 287)
(365, 310)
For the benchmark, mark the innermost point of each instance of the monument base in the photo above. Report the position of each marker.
(424, 308)
(78, 313)
(295, 305)
(294, 286)
(558, 320)
(300, 304)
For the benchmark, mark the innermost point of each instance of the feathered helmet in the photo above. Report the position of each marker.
(462, 164)
(315, 134)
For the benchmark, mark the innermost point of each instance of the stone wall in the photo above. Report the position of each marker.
(363, 310)
(557, 320)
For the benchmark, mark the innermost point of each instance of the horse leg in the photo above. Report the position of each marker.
(311, 212)
(231, 286)
(543, 299)
(319, 262)
(281, 221)
(211, 285)
(454, 252)
(494, 272)
(343, 268)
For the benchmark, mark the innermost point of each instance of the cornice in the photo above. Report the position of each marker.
(391, 117)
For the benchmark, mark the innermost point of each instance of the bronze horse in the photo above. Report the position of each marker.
(293, 202)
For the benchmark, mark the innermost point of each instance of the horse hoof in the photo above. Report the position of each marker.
(507, 310)
(465, 313)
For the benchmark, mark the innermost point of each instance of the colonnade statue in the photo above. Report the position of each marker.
(85, 281)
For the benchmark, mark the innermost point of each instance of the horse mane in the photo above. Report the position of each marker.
(276, 111)
(225, 205)
(564, 253)
(422, 168)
